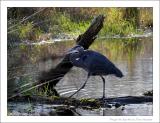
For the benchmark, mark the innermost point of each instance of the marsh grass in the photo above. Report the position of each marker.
(118, 21)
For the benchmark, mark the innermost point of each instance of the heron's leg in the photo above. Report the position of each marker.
(80, 87)
(103, 79)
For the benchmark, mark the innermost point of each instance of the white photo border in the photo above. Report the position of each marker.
(154, 4)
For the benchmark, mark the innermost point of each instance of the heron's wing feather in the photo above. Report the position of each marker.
(100, 64)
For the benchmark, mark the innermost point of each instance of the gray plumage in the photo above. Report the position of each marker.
(94, 63)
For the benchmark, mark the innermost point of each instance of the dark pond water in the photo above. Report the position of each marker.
(134, 56)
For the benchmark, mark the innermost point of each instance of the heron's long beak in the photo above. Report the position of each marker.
(71, 51)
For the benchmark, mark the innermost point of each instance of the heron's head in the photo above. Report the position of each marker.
(76, 50)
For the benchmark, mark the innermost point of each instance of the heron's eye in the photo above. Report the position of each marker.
(76, 52)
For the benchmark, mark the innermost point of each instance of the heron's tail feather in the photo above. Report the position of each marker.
(118, 72)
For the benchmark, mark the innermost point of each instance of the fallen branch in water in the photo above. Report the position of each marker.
(85, 40)
(89, 103)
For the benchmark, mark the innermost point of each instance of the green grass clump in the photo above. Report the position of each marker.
(69, 26)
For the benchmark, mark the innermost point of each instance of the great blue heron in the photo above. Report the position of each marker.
(94, 63)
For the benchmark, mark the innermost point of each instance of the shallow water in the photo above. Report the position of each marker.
(136, 67)
(35, 109)
(133, 56)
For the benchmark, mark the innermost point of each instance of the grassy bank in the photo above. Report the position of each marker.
(33, 23)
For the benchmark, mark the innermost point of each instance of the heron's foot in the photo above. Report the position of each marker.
(105, 103)
(103, 98)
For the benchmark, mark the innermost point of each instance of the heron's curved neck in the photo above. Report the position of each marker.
(75, 59)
